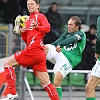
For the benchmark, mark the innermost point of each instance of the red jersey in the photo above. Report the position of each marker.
(34, 54)
(34, 36)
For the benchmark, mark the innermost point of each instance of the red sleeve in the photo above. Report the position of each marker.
(45, 26)
(24, 37)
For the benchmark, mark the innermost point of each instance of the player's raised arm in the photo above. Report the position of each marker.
(45, 26)
(72, 39)
(60, 39)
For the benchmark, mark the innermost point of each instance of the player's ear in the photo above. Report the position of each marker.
(38, 6)
(77, 26)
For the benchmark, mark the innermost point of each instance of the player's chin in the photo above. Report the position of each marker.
(31, 11)
(69, 31)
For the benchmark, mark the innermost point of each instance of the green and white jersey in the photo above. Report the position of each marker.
(72, 45)
(98, 37)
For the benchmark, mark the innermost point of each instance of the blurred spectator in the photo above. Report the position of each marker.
(2, 44)
(16, 43)
(89, 53)
(9, 9)
(55, 21)
(23, 5)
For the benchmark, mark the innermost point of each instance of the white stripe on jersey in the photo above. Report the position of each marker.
(32, 41)
(78, 36)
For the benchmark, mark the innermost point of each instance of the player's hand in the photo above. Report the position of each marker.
(58, 49)
(96, 56)
(23, 29)
(34, 24)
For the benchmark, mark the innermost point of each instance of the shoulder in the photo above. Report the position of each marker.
(65, 33)
(80, 34)
(98, 18)
(98, 22)
(41, 15)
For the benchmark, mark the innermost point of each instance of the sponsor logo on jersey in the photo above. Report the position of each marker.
(71, 47)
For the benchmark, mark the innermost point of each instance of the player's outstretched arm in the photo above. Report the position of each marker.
(60, 39)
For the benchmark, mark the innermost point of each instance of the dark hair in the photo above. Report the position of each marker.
(54, 3)
(78, 21)
(37, 1)
(93, 26)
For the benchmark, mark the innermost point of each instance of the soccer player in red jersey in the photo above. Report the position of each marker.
(32, 34)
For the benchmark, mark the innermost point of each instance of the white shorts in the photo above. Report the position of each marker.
(61, 62)
(96, 69)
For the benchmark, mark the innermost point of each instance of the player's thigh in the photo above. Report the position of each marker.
(52, 53)
(58, 78)
(30, 57)
(62, 65)
(93, 82)
(96, 69)
(40, 71)
(94, 79)
(43, 77)
(11, 61)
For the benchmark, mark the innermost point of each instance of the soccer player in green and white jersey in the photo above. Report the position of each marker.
(94, 79)
(66, 52)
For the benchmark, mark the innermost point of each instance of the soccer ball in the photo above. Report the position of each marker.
(23, 20)
(19, 23)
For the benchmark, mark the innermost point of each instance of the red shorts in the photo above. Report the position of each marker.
(36, 59)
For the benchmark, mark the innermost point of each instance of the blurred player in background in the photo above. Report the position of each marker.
(34, 55)
(66, 52)
(94, 79)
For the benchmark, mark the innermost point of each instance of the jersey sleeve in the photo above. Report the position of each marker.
(45, 26)
(78, 36)
(98, 37)
(60, 39)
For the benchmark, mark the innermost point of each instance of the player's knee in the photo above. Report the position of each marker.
(57, 83)
(88, 88)
(6, 64)
(44, 82)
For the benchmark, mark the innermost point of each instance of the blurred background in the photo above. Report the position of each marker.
(74, 83)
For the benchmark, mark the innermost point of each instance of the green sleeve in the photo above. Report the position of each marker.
(98, 36)
(60, 39)
(78, 36)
